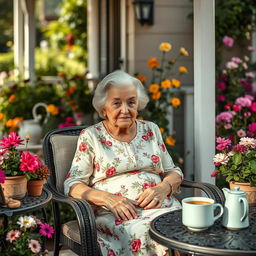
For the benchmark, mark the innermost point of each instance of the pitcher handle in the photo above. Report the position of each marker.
(221, 211)
(246, 208)
(38, 117)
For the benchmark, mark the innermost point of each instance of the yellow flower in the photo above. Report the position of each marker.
(183, 70)
(175, 102)
(153, 88)
(141, 78)
(176, 83)
(165, 47)
(1, 116)
(12, 98)
(161, 130)
(153, 63)
(52, 109)
(183, 51)
(166, 84)
(156, 96)
(140, 118)
(170, 141)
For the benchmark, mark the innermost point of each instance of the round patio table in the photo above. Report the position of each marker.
(168, 230)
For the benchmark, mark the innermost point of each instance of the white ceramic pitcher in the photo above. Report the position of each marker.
(32, 127)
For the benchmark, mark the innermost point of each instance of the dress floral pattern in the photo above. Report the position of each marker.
(124, 169)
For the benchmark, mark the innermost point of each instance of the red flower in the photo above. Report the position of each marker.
(97, 167)
(145, 137)
(163, 147)
(111, 171)
(239, 148)
(150, 134)
(29, 163)
(118, 222)
(237, 108)
(136, 244)
(82, 147)
(111, 253)
(2, 176)
(214, 173)
(152, 184)
(253, 107)
(155, 159)
(102, 141)
(145, 185)
(68, 175)
(12, 140)
(109, 143)
(134, 172)
(118, 194)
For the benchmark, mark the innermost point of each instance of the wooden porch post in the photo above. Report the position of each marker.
(204, 90)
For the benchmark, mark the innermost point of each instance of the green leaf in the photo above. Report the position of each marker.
(237, 158)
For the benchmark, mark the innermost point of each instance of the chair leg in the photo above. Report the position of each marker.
(57, 245)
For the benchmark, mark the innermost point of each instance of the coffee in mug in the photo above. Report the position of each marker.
(198, 213)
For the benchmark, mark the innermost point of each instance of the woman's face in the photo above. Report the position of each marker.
(121, 106)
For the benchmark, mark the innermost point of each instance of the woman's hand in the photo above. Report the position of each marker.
(121, 207)
(153, 197)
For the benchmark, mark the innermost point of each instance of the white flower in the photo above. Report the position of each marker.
(245, 65)
(248, 142)
(26, 222)
(220, 158)
(231, 153)
(246, 58)
(34, 246)
(231, 65)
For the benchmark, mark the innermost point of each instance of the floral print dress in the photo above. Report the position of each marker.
(124, 169)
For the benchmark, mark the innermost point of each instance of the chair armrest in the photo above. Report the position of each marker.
(85, 218)
(211, 191)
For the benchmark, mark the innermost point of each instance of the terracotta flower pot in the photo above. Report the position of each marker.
(15, 187)
(250, 191)
(35, 187)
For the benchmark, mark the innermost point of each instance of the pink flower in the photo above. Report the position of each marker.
(111, 253)
(228, 41)
(228, 106)
(221, 86)
(118, 222)
(150, 134)
(12, 140)
(250, 48)
(155, 159)
(152, 184)
(247, 114)
(241, 133)
(97, 167)
(109, 143)
(12, 235)
(221, 97)
(223, 143)
(227, 126)
(214, 173)
(46, 230)
(82, 147)
(249, 74)
(231, 65)
(135, 245)
(78, 115)
(145, 137)
(226, 116)
(34, 246)
(102, 141)
(111, 171)
(29, 163)
(163, 147)
(236, 60)
(244, 102)
(3, 155)
(2, 176)
(253, 107)
(252, 127)
(239, 148)
(237, 108)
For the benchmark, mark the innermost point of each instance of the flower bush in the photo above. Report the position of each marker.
(164, 91)
(236, 162)
(15, 162)
(25, 237)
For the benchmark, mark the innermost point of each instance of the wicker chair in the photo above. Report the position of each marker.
(80, 235)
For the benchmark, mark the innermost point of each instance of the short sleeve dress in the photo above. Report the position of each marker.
(124, 169)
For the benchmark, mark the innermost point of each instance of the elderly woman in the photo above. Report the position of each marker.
(121, 166)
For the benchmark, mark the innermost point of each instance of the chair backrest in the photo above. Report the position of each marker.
(59, 147)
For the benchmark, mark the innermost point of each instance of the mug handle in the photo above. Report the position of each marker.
(221, 211)
(242, 199)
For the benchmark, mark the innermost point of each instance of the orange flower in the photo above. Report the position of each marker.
(153, 63)
(12, 98)
(16, 122)
(1, 116)
(140, 118)
(74, 108)
(161, 130)
(165, 47)
(175, 102)
(183, 51)
(62, 74)
(183, 70)
(52, 109)
(9, 123)
(156, 96)
(71, 90)
(71, 103)
(141, 78)
(176, 83)
(153, 88)
(170, 141)
(166, 84)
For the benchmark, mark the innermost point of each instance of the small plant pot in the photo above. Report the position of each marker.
(250, 191)
(35, 187)
(15, 187)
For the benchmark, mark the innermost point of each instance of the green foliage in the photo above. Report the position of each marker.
(6, 61)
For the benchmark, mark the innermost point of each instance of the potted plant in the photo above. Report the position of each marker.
(37, 179)
(237, 163)
(17, 166)
(24, 237)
